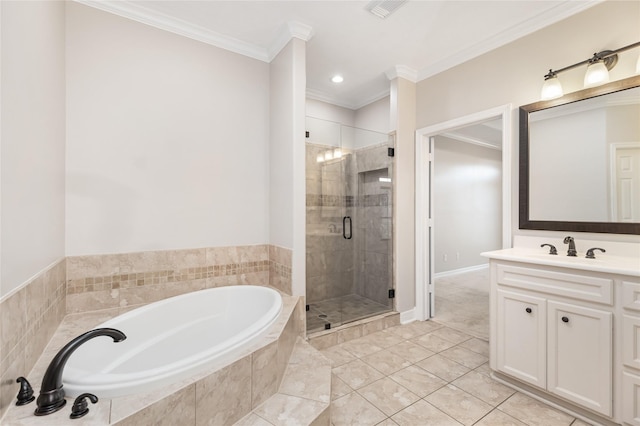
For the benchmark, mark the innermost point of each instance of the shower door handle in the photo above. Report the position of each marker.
(344, 228)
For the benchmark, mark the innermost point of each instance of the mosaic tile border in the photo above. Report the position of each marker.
(373, 200)
(139, 279)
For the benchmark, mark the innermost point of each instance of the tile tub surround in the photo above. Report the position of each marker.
(28, 318)
(132, 279)
(222, 395)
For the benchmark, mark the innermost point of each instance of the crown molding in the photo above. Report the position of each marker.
(323, 97)
(402, 71)
(292, 29)
(156, 19)
(544, 19)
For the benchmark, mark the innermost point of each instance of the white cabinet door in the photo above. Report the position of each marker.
(579, 364)
(631, 399)
(521, 341)
(631, 341)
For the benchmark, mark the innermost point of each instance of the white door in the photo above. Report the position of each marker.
(579, 364)
(521, 337)
(626, 177)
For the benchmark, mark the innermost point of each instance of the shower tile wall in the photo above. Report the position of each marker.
(28, 319)
(349, 186)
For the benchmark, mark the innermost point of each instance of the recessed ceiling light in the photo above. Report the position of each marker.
(337, 79)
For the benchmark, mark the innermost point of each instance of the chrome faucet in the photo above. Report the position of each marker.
(51, 397)
(572, 246)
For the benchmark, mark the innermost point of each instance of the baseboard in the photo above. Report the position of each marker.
(461, 270)
(408, 316)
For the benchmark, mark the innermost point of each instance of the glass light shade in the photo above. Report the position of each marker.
(328, 155)
(551, 89)
(597, 73)
(337, 153)
(320, 158)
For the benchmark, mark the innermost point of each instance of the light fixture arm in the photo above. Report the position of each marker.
(610, 58)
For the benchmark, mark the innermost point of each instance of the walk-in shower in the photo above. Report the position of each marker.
(349, 224)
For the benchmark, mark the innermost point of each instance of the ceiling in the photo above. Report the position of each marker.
(419, 39)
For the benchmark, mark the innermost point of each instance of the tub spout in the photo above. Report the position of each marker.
(51, 397)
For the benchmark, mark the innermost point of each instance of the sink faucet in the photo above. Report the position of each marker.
(572, 246)
(51, 397)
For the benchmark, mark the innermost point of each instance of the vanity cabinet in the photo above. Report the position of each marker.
(560, 347)
(631, 352)
(568, 335)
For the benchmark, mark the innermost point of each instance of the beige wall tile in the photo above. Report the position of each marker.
(224, 397)
(264, 374)
(176, 409)
(92, 301)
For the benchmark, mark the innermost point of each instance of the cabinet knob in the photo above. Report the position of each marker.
(565, 319)
(528, 310)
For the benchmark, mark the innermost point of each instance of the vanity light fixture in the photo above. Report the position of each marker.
(597, 71)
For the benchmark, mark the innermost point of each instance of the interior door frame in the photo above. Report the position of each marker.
(424, 223)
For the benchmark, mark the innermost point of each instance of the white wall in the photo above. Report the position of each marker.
(32, 139)
(467, 203)
(402, 121)
(330, 112)
(374, 116)
(514, 73)
(287, 157)
(167, 139)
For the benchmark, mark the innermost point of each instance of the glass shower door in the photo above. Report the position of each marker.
(349, 225)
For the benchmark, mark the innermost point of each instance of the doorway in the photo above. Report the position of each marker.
(426, 220)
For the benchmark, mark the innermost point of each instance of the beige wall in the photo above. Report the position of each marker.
(32, 139)
(514, 73)
(287, 156)
(167, 143)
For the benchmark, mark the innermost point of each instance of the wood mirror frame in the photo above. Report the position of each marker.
(525, 110)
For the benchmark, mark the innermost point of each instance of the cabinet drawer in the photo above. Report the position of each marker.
(631, 295)
(631, 341)
(575, 286)
(631, 399)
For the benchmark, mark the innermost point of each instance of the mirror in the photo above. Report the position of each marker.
(580, 161)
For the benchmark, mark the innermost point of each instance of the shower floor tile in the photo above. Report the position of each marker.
(341, 310)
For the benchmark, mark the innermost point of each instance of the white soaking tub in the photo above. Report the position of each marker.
(170, 340)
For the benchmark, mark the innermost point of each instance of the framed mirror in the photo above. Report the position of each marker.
(580, 161)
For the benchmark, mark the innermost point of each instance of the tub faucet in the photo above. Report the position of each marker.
(51, 397)
(572, 246)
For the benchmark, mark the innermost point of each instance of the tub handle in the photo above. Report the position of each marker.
(80, 405)
(344, 228)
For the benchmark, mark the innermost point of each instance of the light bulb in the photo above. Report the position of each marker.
(551, 88)
(320, 158)
(337, 153)
(597, 73)
(328, 155)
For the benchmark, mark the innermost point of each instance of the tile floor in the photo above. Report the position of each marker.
(425, 373)
(341, 310)
(462, 302)
(432, 373)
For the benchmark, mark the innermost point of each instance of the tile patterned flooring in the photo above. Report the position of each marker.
(341, 310)
(431, 373)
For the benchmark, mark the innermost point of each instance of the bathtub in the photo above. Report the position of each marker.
(170, 340)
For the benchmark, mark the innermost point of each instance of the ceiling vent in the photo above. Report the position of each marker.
(384, 8)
